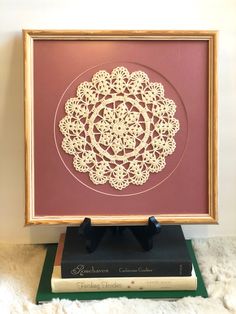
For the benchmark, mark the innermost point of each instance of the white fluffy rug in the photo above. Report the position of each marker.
(20, 268)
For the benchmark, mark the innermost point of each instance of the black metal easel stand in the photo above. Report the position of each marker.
(143, 234)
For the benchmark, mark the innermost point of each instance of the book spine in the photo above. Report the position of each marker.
(121, 283)
(121, 269)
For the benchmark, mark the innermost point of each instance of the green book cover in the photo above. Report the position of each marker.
(44, 293)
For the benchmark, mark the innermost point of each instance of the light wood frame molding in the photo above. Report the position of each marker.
(30, 36)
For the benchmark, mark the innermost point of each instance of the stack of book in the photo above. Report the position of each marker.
(169, 271)
(120, 264)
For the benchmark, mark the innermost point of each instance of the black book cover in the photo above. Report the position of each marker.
(122, 255)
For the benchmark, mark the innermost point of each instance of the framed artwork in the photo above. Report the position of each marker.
(120, 126)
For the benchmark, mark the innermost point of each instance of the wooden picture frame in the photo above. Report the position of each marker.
(56, 62)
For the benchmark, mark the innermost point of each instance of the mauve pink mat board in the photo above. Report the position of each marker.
(182, 67)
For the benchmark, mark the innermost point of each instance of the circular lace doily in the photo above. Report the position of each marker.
(119, 128)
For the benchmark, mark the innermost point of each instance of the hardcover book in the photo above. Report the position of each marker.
(122, 256)
(60, 284)
(45, 294)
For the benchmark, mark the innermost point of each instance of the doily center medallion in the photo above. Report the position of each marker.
(119, 132)
(120, 128)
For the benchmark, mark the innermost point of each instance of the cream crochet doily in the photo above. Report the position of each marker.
(119, 128)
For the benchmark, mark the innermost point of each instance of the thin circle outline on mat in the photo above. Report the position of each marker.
(69, 170)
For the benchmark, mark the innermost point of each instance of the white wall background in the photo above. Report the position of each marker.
(104, 14)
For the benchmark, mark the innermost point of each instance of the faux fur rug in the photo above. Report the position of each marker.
(20, 268)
